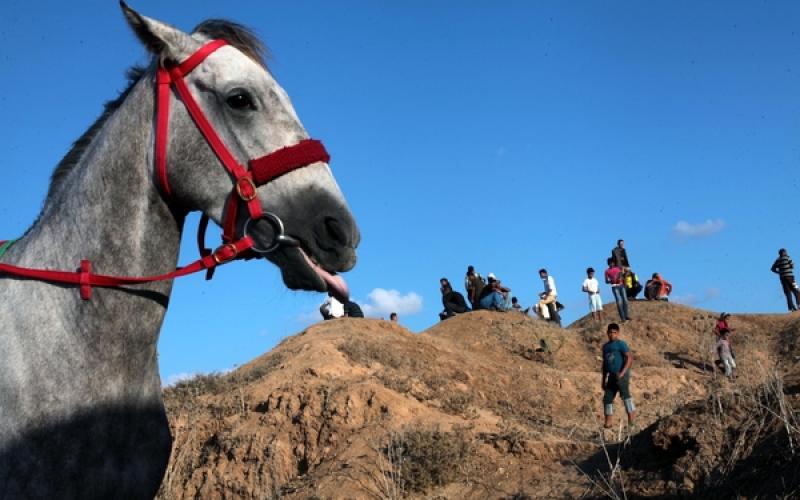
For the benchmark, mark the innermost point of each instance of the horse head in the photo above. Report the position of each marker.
(253, 116)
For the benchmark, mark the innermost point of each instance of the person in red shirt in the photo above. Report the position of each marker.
(722, 324)
(664, 287)
(615, 277)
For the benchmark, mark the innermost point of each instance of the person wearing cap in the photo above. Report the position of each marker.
(495, 296)
(547, 307)
(722, 323)
(592, 287)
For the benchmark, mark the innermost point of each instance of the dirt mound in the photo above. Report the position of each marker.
(483, 405)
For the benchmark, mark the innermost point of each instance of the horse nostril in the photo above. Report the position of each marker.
(335, 231)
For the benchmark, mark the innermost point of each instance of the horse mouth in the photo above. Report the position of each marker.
(333, 282)
(301, 271)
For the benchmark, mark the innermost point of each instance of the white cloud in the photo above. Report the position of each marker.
(382, 302)
(685, 230)
(177, 377)
(379, 304)
(692, 299)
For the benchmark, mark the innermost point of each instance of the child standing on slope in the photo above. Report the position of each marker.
(592, 288)
(724, 351)
(617, 362)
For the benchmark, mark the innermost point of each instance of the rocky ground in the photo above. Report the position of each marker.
(498, 406)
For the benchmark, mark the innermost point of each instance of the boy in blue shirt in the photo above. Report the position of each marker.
(617, 361)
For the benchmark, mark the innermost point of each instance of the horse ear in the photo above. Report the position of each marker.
(159, 38)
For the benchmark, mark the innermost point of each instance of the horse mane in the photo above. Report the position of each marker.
(235, 34)
(66, 164)
(241, 37)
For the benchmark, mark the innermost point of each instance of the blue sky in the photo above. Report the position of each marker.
(506, 135)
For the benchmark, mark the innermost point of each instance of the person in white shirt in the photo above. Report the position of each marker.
(331, 308)
(548, 298)
(592, 287)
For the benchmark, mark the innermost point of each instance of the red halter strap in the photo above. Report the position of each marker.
(245, 183)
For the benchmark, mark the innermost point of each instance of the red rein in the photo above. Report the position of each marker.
(245, 183)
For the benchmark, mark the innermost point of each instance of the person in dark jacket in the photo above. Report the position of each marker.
(619, 255)
(353, 310)
(784, 268)
(453, 303)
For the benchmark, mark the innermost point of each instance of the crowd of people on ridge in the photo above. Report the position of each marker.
(492, 294)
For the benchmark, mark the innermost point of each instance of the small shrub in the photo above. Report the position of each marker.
(435, 382)
(431, 457)
(211, 383)
(456, 403)
(395, 383)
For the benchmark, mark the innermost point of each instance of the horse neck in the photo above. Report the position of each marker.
(108, 210)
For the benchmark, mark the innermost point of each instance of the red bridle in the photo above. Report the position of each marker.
(244, 191)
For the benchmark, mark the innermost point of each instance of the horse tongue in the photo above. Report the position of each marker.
(336, 285)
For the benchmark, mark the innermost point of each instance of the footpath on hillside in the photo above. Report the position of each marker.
(493, 405)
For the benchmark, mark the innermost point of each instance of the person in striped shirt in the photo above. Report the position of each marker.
(784, 267)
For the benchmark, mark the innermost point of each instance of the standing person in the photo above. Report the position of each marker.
(592, 288)
(725, 352)
(453, 303)
(617, 362)
(784, 267)
(614, 277)
(619, 255)
(548, 298)
(473, 283)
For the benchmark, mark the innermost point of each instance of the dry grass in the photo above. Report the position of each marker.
(425, 458)
(367, 353)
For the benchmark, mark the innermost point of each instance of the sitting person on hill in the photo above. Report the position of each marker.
(453, 303)
(515, 306)
(657, 288)
(331, 308)
(353, 310)
(495, 296)
(632, 284)
(547, 307)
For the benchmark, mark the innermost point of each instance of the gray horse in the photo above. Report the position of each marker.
(81, 414)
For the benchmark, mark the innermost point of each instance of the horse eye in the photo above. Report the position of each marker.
(240, 101)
